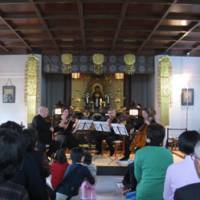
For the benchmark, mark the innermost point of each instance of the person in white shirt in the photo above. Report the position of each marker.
(184, 172)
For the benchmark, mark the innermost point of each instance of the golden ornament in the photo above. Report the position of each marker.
(129, 59)
(98, 59)
(67, 58)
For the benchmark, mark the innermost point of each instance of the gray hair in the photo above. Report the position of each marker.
(197, 150)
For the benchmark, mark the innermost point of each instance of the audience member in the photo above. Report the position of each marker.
(33, 171)
(88, 190)
(182, 173)
(58, 168)
(191, 191)
(129, 181)
(12, 125)
(74, 176)
(150, 165)
(11, 156)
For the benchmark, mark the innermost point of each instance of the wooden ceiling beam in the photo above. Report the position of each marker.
(192, 27)
(30, 28)
(195, 48)
(3, 46)
(121, 19)
(172, 16)
(46, 27)
(162, 2)
(82, 23)
(165, 2)
(157, 26)
(11, 28)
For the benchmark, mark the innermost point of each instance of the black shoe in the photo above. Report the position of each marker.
(124, 159)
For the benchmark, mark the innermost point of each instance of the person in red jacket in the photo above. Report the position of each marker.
(58, 168)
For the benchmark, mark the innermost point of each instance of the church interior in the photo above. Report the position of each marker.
(103, 78)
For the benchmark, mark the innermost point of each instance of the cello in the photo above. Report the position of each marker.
(140, 138)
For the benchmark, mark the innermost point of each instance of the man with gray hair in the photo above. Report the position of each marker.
(191, 191)
(42, 126)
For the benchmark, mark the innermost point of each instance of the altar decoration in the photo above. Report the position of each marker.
(98, 60)
(67, 60)
(129, 60)
(32, 83)
(164, 88)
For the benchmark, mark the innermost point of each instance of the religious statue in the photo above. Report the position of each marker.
(97, 97)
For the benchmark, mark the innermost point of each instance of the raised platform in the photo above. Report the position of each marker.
(111, 166)
(107, 165)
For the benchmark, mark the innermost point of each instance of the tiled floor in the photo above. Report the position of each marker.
(106, 188)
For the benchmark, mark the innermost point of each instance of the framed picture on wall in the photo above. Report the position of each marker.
(187, 97)
(9, 94)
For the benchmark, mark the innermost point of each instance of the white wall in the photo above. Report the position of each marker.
(13, 67)
(180, 66)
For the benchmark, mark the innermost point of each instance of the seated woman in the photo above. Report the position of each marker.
(184, 172)
(66, 127)
(150, 165)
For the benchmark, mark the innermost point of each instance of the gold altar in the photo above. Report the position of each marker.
(88, 88)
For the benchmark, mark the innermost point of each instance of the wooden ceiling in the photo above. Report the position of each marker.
(143, 27)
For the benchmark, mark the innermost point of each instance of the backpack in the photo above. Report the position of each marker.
(67, 186)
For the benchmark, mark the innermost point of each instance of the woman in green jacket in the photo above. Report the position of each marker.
(150, 165)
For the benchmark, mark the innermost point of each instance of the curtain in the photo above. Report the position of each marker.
(139, 88)
(56, 87)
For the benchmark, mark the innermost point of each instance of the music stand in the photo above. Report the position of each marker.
(119, 129)
(101, 126)
(83, 125)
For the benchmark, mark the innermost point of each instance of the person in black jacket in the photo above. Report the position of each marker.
(34, 168)
(42, 126)
(65, 128)
(45, 131)
(11, 156)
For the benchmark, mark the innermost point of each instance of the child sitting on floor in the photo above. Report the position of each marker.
(58, 167)
(88, 190)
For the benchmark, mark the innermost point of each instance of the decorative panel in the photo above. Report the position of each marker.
(111, 65)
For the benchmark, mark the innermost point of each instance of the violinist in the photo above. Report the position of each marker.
(108, 137)
(42, 126)
(65, 128)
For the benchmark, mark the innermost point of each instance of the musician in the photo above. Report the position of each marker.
(140, 136)
(42, 126)
(86, 115)
(109, 137)
(65, 128)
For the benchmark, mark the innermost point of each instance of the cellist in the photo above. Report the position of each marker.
(139, 139)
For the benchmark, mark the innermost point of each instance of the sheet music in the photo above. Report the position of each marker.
(119, 129)
(83, 125)
(101, 126)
